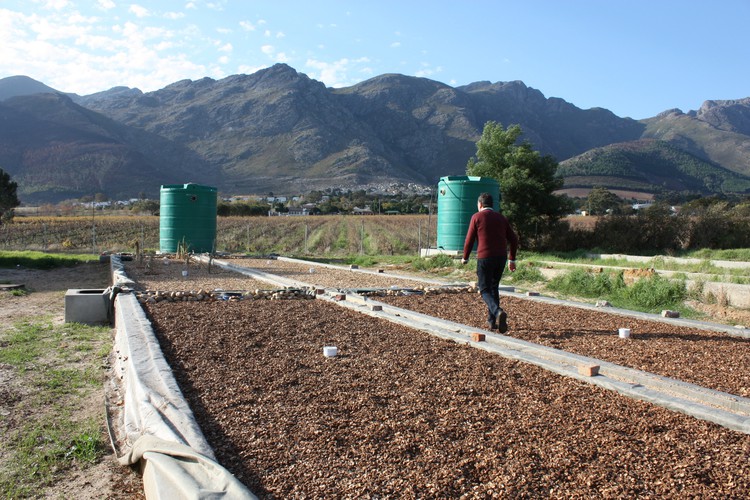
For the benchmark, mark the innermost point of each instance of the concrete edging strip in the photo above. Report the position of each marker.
(155, 426)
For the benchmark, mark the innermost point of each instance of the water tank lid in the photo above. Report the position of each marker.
(453, 178)
(188, 185)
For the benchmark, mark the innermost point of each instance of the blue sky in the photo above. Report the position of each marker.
(634, 57)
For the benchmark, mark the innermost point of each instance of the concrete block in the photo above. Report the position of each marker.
(339, 296)
(376, 308)
(666, 313)
(354, 266)
(532, 294)
(588, 370)
(477, 337)
(87, 306)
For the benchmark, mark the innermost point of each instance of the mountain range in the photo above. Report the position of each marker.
(279, 131)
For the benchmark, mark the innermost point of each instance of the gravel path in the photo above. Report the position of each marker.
(401, 414)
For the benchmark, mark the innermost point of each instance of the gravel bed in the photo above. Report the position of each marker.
(401, 414)
(711, 359)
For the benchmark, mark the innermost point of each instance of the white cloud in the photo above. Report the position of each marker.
(428, 71)
(173, 16)
(395, 45)
(106, 4)
(335, 74)
(139, 11)
(247, 26)
(82, 54)
(56, 4)
(270, 51)
(249, 70)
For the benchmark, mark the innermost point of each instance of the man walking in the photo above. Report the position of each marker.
(497, 244)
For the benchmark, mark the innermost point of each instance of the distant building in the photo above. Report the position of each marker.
(638, 206)
(298, 211)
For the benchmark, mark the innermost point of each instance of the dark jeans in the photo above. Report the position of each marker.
(489, 272)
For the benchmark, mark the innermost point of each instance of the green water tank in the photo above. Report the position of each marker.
(187, 213)
(456, 203)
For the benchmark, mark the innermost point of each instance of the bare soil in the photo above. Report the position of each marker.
(401, 414)
(46, 299)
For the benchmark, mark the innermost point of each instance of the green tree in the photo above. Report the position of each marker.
(145, 206)
(8, 198)
(527, 180)
(601, 199)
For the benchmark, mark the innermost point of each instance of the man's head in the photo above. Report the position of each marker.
(485, 200)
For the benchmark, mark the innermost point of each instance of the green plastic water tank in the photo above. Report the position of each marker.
(456, 203)
(187, 213)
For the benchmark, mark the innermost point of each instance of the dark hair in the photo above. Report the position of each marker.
(485, 199)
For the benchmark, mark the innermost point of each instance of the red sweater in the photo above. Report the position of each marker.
(494, 233)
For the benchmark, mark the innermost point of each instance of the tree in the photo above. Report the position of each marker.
(150, 207)
(527, 180)
(8, 198)
(601, 200)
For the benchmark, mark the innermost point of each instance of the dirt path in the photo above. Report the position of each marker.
(46, 299)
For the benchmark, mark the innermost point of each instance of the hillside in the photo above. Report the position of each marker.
(649, 165)
(55, 149)
(278, 130)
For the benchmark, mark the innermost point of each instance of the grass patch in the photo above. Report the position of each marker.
(525, 272)
(712, 272)
(739, 254)
(60, 366)
(650, 295)
(23, 344)
(41, 449)
(42, 260)
(581, 283)
(439, 261)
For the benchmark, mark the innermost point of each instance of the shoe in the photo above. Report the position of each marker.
(502, 322)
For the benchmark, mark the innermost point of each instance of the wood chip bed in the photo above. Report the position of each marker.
(401, 414)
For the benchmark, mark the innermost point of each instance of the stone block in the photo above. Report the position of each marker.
(89, 306)
(588, 370)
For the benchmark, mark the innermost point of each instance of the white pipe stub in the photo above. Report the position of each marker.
(330, 351)
(624, 333)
